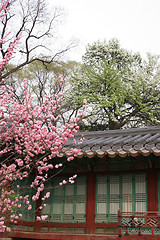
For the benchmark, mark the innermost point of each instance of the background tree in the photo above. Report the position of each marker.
(41, 78)
(37, 25)
(120, 88)
(42, 82)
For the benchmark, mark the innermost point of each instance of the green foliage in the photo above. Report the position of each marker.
(120, 88)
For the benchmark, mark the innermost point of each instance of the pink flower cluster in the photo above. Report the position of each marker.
(70, 180)
(29, 136)
(10, 52)
(29, 139)
(11, 49)
(43, 218)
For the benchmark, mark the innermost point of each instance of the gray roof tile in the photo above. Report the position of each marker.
(121, 142)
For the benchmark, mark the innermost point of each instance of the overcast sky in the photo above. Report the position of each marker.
(135, 23)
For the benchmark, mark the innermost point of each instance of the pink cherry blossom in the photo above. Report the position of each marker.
(8, 229)
(38, 218)
(47, 194)
(43, 217)
(29, 207)
(30, 137)
(70, 159)
(64, 182)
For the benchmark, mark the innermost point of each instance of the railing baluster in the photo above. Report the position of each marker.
(139, 231)
(119, 223)
(127, 230)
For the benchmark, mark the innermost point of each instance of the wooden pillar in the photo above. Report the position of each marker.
(119, 223)
(152, 190)
(90, 207)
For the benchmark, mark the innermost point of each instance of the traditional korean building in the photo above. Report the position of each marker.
(115, 196)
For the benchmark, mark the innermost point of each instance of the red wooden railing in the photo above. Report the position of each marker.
(146, 223)
(46, 227)
(129, 224)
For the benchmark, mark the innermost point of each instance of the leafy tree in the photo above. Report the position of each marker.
(120, 88)
(122, 58)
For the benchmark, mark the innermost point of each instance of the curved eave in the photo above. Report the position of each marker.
(120, 142)
(120, 152)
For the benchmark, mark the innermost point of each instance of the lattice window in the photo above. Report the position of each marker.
(23, 190)
(57, 202)
(114, 197)
(67, 203)
(101, 202)
(80, 212)
(140, 193)
(127, 192)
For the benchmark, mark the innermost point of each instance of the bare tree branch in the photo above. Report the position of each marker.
(36, 25)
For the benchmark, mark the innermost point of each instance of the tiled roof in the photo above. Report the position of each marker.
(121, 142)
